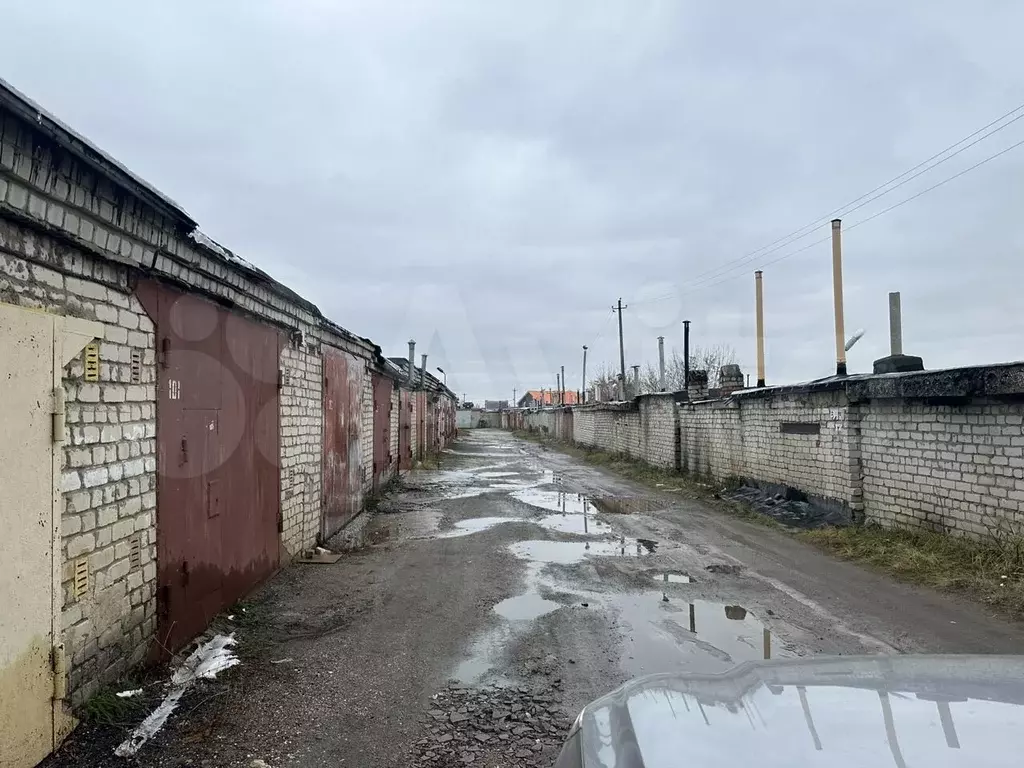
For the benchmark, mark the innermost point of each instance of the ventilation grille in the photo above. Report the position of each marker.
(91, 362)
(136, 366)
(135, 554)
(81, 577)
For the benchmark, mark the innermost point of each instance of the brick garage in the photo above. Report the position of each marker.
(78, 233)
(109, 476)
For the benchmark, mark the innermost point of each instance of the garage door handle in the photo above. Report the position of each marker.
(184, 452)
(184, 573)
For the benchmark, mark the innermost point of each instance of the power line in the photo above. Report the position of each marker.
(858, 202)
(869, 197)
(869, 218)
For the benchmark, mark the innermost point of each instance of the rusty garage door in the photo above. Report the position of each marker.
(343, 470)
(382, 387)
(421, 425)
(218, 486)
(432, 423)
(404, 430)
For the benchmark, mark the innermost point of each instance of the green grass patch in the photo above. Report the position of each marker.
(105, 707)
(990, 572)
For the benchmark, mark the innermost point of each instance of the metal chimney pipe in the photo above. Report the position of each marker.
(686, 355)
(661, 362)
(895, 325)
(562, 383)
(584, 373)
(412, 361)
(837, 292)
(759, 313)
(423, 373)
(558, 389)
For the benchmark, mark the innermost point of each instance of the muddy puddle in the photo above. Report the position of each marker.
(566, 502)
(570, 552)
(570, 503)
(674, 578)
(474, 525)
(667, 634)
(525, 607)
(556, 523)
(626, 505)
(484, 655)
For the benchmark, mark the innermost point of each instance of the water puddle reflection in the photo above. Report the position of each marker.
(578, 524)
(668, 634)
(525, 607)
(557, 501)
(675, 578)
(484, 655)
(569, 552)
(474, 525)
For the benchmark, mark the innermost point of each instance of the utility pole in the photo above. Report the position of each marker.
(622, 353)
(584, 373)
(558, 389)
(563, 385)
(686, 355)
(514, 403)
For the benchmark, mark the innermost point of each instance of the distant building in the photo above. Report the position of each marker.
(495, 405)
(537, 397)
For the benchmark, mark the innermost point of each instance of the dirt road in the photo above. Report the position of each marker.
(502, 593)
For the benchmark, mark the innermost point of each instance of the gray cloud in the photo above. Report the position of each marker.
(490, 177)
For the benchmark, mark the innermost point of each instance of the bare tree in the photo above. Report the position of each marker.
(710, 359)
(605, 383)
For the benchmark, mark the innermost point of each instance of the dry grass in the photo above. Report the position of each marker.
(681, 486)
(989, 572)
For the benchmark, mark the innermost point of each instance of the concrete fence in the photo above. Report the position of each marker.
(942, 450)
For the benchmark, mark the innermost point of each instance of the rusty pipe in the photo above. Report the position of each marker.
(423, 373)
(412, 362)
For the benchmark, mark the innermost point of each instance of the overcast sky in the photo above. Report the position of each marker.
(489, 177)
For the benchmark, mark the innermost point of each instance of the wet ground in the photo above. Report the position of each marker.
(501, 594)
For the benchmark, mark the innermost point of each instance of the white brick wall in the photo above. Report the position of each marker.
(948, 467)
(818, 464)
(301, 420)
(957, 468)
(659, 428)
(109, 456)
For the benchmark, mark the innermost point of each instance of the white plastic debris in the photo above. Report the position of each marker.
(205, 661)
(129, 694)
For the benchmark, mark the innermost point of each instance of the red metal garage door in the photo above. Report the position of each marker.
(404, 430)
(343, 469)
(218, 486)
(421, 425)
(382, 387)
